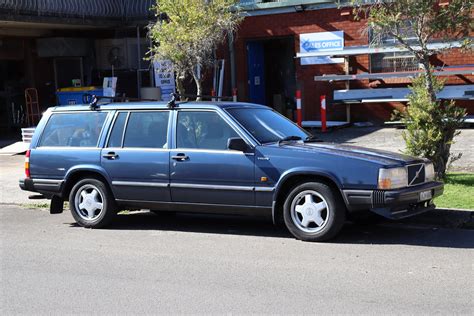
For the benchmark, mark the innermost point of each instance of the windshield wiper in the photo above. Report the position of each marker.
(289, 138)
(313, 139)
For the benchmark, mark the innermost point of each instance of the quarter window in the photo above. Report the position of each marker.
(147, 130)
(203, 130)
(73, 129)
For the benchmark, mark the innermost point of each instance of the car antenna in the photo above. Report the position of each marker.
(93, 105)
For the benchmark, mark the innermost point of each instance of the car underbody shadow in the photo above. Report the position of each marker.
(384, 233)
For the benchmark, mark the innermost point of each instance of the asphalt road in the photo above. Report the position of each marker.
(200, 264)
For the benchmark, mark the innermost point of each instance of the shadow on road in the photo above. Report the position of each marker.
(387, 233)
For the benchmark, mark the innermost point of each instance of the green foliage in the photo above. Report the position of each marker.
(431, 125)
(458, 191)
(188, 31)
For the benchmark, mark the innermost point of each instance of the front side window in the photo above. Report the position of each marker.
(203, 130)
(266, 125)
(73, 129)
(147, 130)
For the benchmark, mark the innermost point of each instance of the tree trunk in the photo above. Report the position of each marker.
(427, 72)
(198, 86)
(179, 83)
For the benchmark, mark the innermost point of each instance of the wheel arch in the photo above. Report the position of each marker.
(83, 172)
(292, 178)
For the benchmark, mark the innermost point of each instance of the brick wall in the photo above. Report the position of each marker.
(327, 20)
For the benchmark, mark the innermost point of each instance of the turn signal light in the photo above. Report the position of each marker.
(27, 164)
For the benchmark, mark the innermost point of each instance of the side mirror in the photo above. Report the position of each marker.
(236, 143)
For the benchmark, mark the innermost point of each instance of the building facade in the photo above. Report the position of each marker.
(269, 41)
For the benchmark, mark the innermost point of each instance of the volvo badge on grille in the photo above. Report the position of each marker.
(417, 174)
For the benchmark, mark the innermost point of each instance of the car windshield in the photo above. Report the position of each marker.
(267, 126)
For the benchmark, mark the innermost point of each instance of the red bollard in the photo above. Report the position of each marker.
(213, 94)
(234, 95)
(299, 115)
(323, 113)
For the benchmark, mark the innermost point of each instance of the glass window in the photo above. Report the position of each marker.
(73, 129)
(204, 130)
(147, 130)
(115, 139)
(266, 125)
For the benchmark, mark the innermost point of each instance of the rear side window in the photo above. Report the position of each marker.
(73, 129)
(147, 130)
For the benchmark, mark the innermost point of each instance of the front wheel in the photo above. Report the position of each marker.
(313, 211)
(91, 203)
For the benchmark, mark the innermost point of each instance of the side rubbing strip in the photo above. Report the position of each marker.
(140, 184)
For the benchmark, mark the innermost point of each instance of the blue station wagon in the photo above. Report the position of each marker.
(216, 157)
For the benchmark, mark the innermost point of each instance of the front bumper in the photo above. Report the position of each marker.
(394, 204)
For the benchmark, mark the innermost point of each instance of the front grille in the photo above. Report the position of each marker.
(378, 198)
(416, 174)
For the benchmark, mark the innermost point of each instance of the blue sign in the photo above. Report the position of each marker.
(319, 42)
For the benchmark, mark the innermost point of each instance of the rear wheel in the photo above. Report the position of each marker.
(91, 203)
(313, 211)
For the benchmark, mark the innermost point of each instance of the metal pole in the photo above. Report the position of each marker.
(139, 83)
(233, 75)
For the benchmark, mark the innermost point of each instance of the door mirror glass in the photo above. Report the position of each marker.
(237, 143)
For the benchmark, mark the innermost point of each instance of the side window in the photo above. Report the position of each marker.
(73, 129)
(115, 139)
(204, 130)
(147, 130)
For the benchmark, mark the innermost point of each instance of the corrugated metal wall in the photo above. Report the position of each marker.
(116, 9)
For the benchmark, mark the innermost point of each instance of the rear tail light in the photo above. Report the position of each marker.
(27, 164)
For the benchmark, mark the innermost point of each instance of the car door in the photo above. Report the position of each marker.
(202, 169)
(136, 156)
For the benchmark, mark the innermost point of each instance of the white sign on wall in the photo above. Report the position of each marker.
(319, 42)
(164, 78)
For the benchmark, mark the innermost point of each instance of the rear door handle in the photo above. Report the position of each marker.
(180, 157)
(110, 155)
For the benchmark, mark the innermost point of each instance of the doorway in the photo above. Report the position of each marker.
(271, 73)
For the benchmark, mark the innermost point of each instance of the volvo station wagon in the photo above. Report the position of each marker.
(216, 157)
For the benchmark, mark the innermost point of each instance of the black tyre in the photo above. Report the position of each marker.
(313, 211)
(92, 204)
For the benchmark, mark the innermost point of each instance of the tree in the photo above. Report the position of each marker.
(187, 33)
(414, 25)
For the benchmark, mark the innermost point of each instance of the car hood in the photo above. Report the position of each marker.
(375, 155)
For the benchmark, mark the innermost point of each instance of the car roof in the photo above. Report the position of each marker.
(161, 105)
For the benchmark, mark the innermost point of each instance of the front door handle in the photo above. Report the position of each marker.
(180, 157)
(110, 155)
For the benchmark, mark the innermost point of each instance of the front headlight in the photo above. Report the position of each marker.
(393, 178)
(429, 172)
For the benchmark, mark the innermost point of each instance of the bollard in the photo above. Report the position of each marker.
(299, 116)
(234, 95)
(213, 94)
(323, 113)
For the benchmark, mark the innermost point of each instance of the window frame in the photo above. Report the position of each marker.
(129, 113)
(226, 120)
(97, 145)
